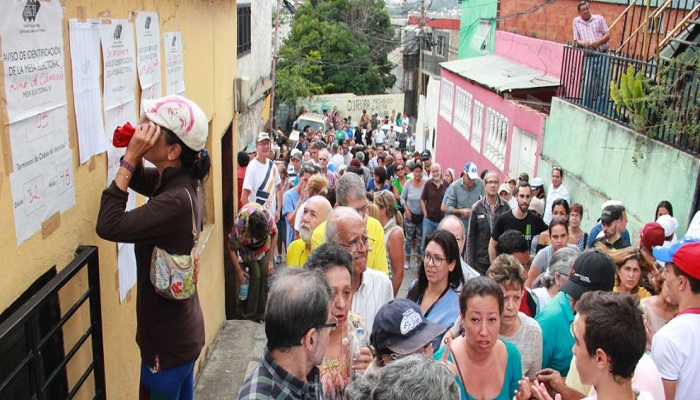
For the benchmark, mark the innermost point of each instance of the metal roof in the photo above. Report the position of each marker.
(500, 74)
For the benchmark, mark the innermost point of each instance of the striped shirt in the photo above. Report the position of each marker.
(270, 381)
(591, 30)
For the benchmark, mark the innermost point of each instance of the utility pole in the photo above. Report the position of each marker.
(274, 64)
(421, 25)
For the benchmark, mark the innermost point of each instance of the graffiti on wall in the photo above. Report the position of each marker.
(352, 105)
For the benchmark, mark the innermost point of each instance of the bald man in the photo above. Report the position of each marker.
(315, 212)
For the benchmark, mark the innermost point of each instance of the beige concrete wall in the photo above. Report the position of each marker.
(209, 36)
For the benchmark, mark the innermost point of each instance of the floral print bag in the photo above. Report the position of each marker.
(175, 276)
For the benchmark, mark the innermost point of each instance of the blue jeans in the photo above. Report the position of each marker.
(176, 383)
(428, 228)
(595, 83)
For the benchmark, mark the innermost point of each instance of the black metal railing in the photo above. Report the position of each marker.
(586, 79)
(31, 369)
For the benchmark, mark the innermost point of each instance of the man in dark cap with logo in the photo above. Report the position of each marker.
(611, 220)
(401, 329)
(592, 270)
(427, 158)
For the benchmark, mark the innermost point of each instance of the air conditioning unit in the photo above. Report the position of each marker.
(243, 85)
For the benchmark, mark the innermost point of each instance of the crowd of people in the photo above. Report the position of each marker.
(513, 297)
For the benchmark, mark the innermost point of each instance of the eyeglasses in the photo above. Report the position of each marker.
(363, 210)
(435, 260)
(322, 159)
(491, 182)
(354, 244)
(330, 325)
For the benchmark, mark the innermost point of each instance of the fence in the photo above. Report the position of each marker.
(586, 80)
(32, 377)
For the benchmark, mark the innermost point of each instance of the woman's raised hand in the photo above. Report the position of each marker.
(144, 139)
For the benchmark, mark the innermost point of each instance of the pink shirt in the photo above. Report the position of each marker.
(591, 30)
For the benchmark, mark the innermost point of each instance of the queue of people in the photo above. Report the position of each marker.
(505, 304)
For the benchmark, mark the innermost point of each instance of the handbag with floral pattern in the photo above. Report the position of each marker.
(175, 276)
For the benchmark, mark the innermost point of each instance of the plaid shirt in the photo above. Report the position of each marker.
(271, 381)
(591, 30)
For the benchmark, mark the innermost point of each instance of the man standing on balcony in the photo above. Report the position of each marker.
(591, 33)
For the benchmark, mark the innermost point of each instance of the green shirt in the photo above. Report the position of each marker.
(555, 321)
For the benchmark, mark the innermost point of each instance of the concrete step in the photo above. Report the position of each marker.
(236, 353)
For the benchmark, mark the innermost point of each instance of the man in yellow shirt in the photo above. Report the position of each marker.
(315, 212)
(350, 191)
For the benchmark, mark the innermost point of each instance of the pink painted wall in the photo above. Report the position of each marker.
(542, 55)
(454, 151)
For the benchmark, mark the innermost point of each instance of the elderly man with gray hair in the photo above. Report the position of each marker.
(454, 225)
(314, 212)
(547, 285)
(298, 322)
(412, 377)
(351, 192)
(371, 289)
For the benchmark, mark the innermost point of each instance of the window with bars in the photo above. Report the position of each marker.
(244, 28)
(440, 50)
(447, 95)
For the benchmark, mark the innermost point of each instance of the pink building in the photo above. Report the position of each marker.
(493, 108)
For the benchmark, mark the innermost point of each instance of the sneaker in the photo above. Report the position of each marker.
(407, 265)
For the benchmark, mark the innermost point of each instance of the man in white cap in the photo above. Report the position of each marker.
(294, 166)
(670, 225)
(262, 183)
(464, 193)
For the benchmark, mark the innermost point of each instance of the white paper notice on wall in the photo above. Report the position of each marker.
(174, 70)
(148, 54)
(85, 56)
(119, 57)
(41, 175)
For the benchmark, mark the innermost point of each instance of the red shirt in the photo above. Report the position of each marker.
(241, 177)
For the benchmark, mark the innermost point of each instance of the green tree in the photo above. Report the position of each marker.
(336, 46)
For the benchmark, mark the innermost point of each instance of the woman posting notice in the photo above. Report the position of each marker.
(171, 134)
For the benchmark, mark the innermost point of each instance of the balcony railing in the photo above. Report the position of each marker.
(586, 78)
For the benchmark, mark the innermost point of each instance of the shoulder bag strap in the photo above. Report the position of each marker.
(267, 175)
(195, 231)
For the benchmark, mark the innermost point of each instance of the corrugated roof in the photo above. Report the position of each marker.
(500, 74)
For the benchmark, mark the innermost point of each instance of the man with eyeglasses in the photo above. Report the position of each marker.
(557, 190)
(298, 322)
(350, 191)
(324, 164)
(481, 222)
(371, 289)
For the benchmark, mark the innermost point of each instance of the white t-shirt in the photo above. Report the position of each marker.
(675, 349)
(254, 177)
(542, 298)
(379, 137)
(374, 291)
(297, 218)
(337, 160)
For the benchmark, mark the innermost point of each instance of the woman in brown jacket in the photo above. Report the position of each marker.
(171, 135)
